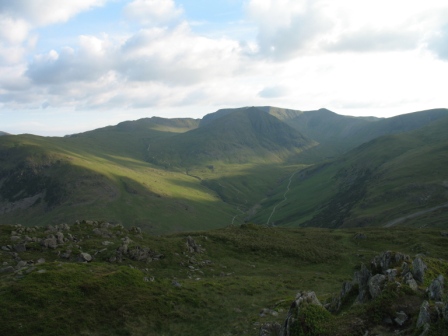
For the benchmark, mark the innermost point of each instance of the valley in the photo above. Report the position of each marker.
(231, 167)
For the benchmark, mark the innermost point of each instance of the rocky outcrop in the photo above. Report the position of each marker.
(361, 278)
(418, 269)
(302, 298)
(192, 247)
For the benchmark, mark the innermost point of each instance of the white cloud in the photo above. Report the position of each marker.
(45, 12)
(153, 12)
(273, 91)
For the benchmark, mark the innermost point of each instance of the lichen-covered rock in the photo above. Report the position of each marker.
(435, 289)
(387, 260)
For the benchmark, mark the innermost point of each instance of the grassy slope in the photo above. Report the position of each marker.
(106, 176)
(393, 176)
(243, 270)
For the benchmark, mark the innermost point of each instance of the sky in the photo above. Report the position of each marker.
(70, 66)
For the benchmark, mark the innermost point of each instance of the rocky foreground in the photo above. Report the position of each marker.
(106, 279)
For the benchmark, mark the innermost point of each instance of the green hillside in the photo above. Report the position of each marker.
(379, 182)
(101, 174)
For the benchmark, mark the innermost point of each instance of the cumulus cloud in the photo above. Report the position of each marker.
(153, 12)
(45, 12)
(287, 26)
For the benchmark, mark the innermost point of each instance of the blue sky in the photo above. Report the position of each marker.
(71, 66)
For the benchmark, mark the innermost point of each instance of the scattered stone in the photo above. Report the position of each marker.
(176, 284)
(270, 328)
(49, 242)
(40, 261)
(435, 289)
(7, 270)
(401, 318)
(84, 257)
(444, 233)
(6, 248)
(106, 243)
(20, 248)
(21, 264)
(15, 238)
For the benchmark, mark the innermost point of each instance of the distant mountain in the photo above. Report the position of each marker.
(337, 134)
(234, 135)
(233, 165)
(3, 133)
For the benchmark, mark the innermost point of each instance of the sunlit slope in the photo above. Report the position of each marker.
(379, 183)
(101, 174)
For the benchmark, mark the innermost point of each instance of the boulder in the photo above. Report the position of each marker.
(387, 260)
(435, 289)
(391, 274)
(412, 284)
(270, 329)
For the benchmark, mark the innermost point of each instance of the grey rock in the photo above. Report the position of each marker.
(426, 329)
(50, 242)
(405, 268)
(435, 289)
(15, 238)
(301, 298)
(40, 261)
(6, 248)
(192, 247)
(60, 237)
(335, 306)
(176, 284)
(7, 270)
(85, 257)
(418, 269)
(400, 318)
(444, 233)
(391, 274)
(360, 236)
(20, 248)
(376, 284)
(387, 260)
(362, 278)
(21, 264)
(424, 316)
(412, 284)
